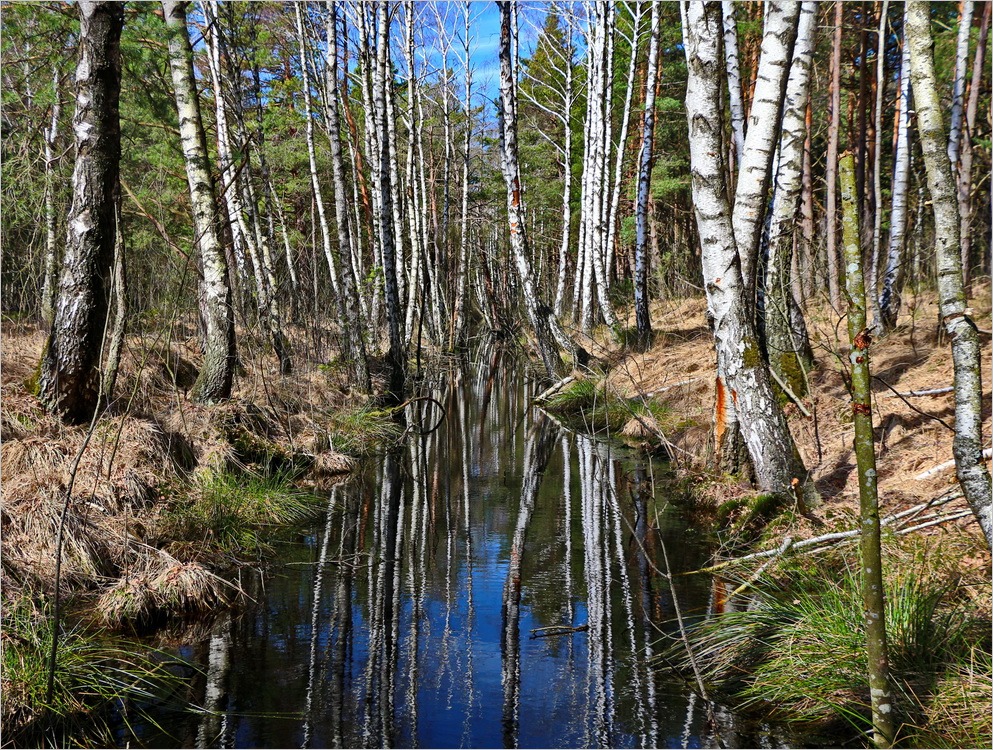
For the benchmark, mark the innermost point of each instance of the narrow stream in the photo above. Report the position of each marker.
(404, 618)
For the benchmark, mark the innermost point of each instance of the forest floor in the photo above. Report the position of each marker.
(912, 433)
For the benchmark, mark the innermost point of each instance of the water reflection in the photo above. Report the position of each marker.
(406, 616)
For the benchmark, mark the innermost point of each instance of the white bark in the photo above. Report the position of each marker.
(731, 62)
(889, 298)
(51, 135)
(740, 365)
(968, 442)
(751, 195)
(643, 320)
(877, 182)
(217, 314)
(958, 85)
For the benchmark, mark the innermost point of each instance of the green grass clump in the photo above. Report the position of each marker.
(361, 431)
(96, 677)
(229, 511)
(584, 404)
(797, 653)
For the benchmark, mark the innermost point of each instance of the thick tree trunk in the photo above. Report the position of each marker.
(968, 442)
(787, 346)
(69, 379)
(546, 326)
(865, 453)
(642, 318)
(743, 376)
(889, 297)
(216, 374)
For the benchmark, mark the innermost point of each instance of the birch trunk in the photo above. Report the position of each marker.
(889, 298)
(568, 100)
(873, 604)
(546, 326)
(731, 63)
(831, 173)
(460, 309)
(355, 329)
(51, 135)
(751, 196)
(741, 370)
(877, 184)
(967, 446)
(397, 355)
(69, 376)
(958, 85)
(965, 158)
(787, 345)
(642, 317)
(216, 312)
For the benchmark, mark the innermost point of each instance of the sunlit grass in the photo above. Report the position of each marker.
(797, 651)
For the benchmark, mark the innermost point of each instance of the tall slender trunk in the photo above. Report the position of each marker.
(353, 315)
(216, 312)
(965, 153)
(69, 376)
(460, 310)
(733, 68)
(831, 171)
(642, 318)
(889, 297)
(743, 376)
(564, 247)
(958, 85)
(787, 345)
(51, 135)
(546, 326)
(873, 603)
(877, 184)
(968, 442)
(397, 355)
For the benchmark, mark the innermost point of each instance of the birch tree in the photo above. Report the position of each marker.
(216, 312)
(642, 317)
(967, 446)
(547, 329)
(831, 172)
(889, 296)
(743, 383)
(354, 326)
(786, 340)
(69, 375)
(51, 135)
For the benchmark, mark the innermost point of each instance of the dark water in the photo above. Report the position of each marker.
(405, 616)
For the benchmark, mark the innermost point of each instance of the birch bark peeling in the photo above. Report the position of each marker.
(968, 442)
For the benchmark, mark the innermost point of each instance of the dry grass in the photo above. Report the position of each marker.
(151, 438)
(680, 369)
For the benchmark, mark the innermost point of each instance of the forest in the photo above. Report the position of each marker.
(519, 373)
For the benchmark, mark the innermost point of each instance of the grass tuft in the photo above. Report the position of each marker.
(96, 676)
(797, 652)
(228, 511)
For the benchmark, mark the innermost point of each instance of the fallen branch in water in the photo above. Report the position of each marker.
(557, 630)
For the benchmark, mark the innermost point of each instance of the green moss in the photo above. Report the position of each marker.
(751, 356)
